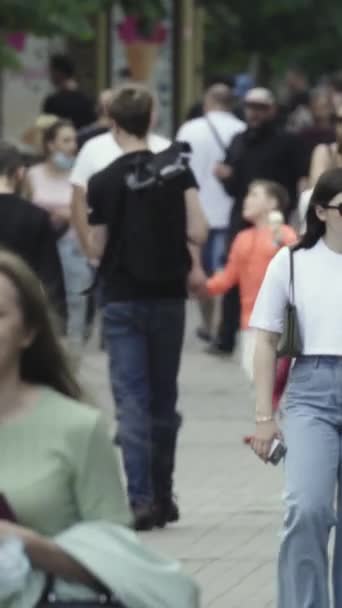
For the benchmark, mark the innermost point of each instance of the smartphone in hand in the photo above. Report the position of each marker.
(277, 452)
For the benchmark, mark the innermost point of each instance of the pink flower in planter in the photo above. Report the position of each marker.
(17, 41)
(129, 32)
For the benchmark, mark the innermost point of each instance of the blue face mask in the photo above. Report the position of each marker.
(62, 161)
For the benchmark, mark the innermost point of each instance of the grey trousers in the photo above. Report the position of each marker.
(312, 426)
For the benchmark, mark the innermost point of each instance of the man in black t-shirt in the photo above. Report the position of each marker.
(68, 101)
(143, 238)
(26, 229)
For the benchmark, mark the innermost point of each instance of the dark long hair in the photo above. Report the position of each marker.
(44, 361)
(327, 187)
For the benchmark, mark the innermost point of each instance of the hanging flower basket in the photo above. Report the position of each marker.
(141, 47)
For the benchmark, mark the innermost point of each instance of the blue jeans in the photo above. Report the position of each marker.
(215, 250)
(313, 470)
(144, 341)
(77, 277)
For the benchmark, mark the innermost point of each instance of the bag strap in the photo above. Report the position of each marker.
(291, 283)
(48, 596)
(216, 134)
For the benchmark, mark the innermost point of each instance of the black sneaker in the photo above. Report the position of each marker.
(203, 335)
(166, 512)
(219, 351)
(144, 518)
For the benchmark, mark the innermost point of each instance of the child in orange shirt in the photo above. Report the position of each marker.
(251, 252)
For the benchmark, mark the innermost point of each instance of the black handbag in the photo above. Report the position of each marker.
(290, 343)
(49, 599)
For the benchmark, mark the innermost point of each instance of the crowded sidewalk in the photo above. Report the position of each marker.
(230, 502)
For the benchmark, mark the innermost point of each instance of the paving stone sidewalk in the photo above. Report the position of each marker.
(231, 503)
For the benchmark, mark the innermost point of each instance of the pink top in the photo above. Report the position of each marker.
(49, 190)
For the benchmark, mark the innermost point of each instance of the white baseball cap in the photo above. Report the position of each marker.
(260, 96)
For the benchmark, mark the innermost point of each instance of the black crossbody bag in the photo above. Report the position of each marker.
(49, 599)
(219, 140)
(290, 343)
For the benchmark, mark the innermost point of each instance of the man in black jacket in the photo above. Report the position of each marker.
(26, 229)
(263, 151)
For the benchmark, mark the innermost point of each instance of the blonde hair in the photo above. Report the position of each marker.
(34, 136)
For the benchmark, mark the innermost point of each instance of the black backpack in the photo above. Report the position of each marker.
(149, 243)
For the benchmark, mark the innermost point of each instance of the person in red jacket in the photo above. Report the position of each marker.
(251, 252)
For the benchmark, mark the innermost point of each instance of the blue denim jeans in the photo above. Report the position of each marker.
(215, 250)
(313, 469)
(77, 277)
(144, 342)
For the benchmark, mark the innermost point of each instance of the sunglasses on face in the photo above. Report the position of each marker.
(336, 207)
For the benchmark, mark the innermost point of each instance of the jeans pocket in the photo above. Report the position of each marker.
(301, 372)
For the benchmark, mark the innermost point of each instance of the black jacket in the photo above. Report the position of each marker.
(27, 231)
(266, 153)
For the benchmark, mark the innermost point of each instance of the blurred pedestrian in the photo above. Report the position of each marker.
(321, 129)
(26, 230)
(68, 102)
(140, 230)
(102, 123)
(51, 190)
(263, 151)
(336, 90)
(295, 105)
(197, 109)
(209, 138)
(311, 417)
(32, 138)
(327, 155)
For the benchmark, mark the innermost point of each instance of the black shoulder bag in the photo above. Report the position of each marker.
(220, 142)
(290, 343)
(49, 599)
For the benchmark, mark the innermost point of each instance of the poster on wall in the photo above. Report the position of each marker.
(24, 89)
(148, 60)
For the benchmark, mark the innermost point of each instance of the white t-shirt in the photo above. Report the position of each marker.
(100, 151)
(206, 153)
(318, 298)
(303, 206)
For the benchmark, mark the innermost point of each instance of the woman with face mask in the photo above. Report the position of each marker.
(50, 188)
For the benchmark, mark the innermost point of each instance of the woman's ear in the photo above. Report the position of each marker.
(28, 338)
(321, 213)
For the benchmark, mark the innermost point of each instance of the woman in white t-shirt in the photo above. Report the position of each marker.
(312, 413)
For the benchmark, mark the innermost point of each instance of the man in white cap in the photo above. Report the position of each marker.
(263, 151)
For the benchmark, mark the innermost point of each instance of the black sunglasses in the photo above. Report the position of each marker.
(337, 207)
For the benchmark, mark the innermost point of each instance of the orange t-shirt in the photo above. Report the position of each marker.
(250, 255)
